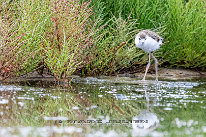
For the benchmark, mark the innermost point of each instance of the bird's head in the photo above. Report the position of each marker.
(160, 40)
(140, 39)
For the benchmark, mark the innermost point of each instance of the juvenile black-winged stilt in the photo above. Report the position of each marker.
(149, 41)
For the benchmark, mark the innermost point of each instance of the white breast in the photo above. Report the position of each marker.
(149, 45)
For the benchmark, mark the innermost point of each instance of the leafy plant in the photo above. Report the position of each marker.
(13, 55)
(115, 49)
(71, 37)
(180, 22)
(185, 26)
(21, 29)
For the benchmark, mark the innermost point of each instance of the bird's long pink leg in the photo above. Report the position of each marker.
(156, 66)
(148, 65)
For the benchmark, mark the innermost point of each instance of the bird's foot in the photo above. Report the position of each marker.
(143, 79)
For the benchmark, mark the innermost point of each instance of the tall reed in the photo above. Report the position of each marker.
(97, 37)
(19, 37)
(71, 37)
(185, 27)
(114, 50)
(180, 22)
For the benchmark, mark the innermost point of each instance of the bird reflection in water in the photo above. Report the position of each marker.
(145, 122)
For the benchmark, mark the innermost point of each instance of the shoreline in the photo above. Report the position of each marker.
(164, 74)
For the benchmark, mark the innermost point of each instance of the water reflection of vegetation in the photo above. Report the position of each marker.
(179, 106)
(68, 103)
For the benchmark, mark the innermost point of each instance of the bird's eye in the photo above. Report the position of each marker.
(139, 38)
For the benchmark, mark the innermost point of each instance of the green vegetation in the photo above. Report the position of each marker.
(97, 37)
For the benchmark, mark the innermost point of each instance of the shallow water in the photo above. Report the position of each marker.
(103, 106)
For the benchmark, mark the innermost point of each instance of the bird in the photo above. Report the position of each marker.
(149, 41)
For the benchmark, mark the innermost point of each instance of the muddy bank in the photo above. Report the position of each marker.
(175, 74)
(164, 74)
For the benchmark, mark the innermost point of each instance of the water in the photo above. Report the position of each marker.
(103, 106)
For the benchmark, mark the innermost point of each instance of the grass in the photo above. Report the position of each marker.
(186, 33)
(180, 22)
(70, 38)
(97, 37)
(115, 50)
